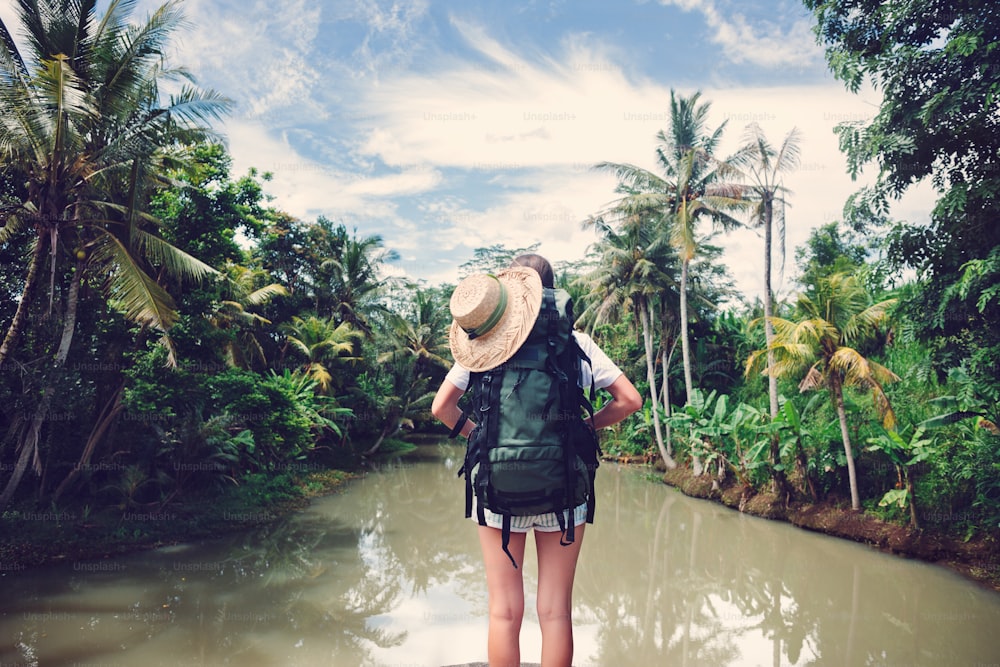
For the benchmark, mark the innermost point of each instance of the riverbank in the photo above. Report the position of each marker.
(30, 538)
(977, 558)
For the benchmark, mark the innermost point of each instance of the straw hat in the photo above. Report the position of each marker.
(493, 316)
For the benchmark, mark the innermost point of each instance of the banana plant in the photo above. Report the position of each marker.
(735, 439)
(904, 454)
(703, 420)
(968, 402)
(793, 436)
(749, 429)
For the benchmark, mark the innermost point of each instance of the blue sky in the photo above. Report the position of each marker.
(444, 126)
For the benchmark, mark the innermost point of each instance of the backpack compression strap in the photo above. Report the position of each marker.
(567, 524)
(587, 403)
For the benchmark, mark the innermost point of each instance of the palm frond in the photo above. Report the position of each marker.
(128, 287)
(175, 261)
(13, 72)
(862, 324)
(634, 177)
(13, 225)
(814, 379)
(264, 295)
(196, 106)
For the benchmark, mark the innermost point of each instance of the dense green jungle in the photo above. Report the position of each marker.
(177, 351)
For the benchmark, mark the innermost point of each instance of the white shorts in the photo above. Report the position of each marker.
(545, 523)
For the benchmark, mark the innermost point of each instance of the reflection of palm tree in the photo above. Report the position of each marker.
(285, 569)
(406, 505)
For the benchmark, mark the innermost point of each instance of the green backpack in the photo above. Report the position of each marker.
(533, 451)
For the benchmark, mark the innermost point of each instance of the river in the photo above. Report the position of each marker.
(387, 573)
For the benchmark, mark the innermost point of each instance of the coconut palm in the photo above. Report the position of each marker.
(353, 280)
(764, 165)
(84, 129)
(235, 314)
(691, 187)
(324, 344)
(420, 334)
(629, 276)
(82, 122)
(817, 348)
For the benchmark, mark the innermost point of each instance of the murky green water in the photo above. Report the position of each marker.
(387, 573)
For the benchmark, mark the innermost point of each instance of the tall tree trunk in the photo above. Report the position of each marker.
(779, 482)
(837, 392)
(667, 410)
(647, 339)
(772, 381)
(27, 295)
(802, 463)
(686, 355)
(29, 445)
(914, 515)
(685, 349)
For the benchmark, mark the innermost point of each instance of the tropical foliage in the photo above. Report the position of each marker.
(168, 334)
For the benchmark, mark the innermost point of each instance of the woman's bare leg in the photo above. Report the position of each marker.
(506, 590)
(556, 569)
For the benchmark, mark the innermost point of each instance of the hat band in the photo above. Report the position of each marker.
(495, 316)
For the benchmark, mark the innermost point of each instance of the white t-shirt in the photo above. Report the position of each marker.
(605, 371)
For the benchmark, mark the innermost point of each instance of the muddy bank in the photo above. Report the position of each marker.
(977, 558)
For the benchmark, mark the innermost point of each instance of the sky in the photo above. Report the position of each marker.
(448, 125)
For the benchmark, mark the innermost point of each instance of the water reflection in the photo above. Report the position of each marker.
(387, 573)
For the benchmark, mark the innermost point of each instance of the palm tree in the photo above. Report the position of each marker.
(323, 343)
(354, 281)
(837, 315)
(83, 126)
(691, 187)
(629, 276)
(397, 394)
(421, 334)
(234, 314)
(764, 165)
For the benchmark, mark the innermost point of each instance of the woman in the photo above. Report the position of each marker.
(556, 561)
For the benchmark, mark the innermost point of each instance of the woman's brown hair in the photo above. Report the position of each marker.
(539, 264)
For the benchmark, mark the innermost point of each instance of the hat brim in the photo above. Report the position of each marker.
(524, 300)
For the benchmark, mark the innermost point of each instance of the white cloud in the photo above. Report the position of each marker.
(538, 127)
(264, 54)
(760, 43)
(522, 128)
(389, 39)
(412, 181)
(305, 187)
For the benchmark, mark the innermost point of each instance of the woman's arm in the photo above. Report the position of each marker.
(445, 407)
(625, 401)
